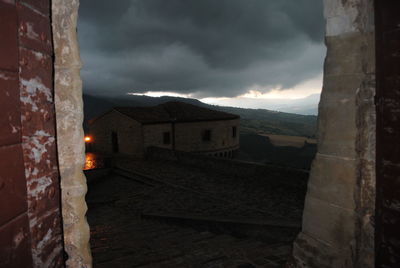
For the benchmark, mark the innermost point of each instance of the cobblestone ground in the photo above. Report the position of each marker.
(121, 237)
(271, 195)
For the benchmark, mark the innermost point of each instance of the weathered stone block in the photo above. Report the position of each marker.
(337, 220)
(368, 51)
(346, 55)
(333, 180)
(341, 90)
(367, 188)
(73, 152)
(309, 252)
(338, 25)
(348, 16)
(65, 39)
(337, 129)
(73, 178)
(328, 222)
(338, 114)
(366, 121)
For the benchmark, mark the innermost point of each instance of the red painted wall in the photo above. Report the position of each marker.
(30, 220)
(388, 133)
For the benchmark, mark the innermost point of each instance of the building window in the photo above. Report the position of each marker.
(234, 130)
(206, 135)
(167, 138)
(114, 142)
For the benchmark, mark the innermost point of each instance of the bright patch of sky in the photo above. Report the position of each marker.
(304, 95)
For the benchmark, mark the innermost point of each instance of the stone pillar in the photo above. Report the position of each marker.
(337, 221)
(69, 116)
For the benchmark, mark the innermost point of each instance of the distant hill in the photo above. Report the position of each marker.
(308, 105)
(252, 120)
(272, 122)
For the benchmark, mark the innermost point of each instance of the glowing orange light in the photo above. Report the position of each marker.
(88, 139)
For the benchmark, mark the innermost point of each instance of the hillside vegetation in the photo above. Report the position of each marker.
(273, 122)
(253, 121)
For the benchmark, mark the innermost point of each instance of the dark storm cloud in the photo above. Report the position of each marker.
(206, 47)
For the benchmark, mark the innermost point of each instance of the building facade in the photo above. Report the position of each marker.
(174, 125)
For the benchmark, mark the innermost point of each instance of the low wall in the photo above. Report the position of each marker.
(227, 166)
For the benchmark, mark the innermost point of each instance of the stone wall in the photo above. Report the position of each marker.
(153, 135)
(134, 138)
(189, 136)
(226, 166)
(337, 221)
(130, 136)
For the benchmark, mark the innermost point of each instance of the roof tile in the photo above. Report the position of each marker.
(174, 111)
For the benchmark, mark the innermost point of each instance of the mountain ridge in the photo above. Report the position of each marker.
(252, 120)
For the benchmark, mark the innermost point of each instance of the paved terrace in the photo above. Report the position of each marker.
(165, 214)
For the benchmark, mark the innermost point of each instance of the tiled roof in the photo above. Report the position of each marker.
(174, 112)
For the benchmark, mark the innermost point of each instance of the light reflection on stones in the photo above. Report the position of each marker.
(92, 161)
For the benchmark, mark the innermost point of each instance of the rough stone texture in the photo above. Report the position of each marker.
(129, 134)
(337, 220)
(189, 139)
(202, 198)
(153, 135)
(69, 113)
(348, 16)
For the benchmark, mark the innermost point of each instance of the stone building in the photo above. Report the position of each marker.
(173, 125)
(351, 216)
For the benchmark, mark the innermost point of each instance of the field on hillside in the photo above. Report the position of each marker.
(282, 150)
(285, 140)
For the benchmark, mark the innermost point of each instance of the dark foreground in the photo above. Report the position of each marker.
(163, 214)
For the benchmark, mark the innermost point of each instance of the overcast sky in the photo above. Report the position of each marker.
(201, 48)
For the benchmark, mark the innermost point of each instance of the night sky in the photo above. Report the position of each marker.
(205, 48)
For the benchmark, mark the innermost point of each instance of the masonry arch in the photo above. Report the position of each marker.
(358, 139)
(338, 227)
